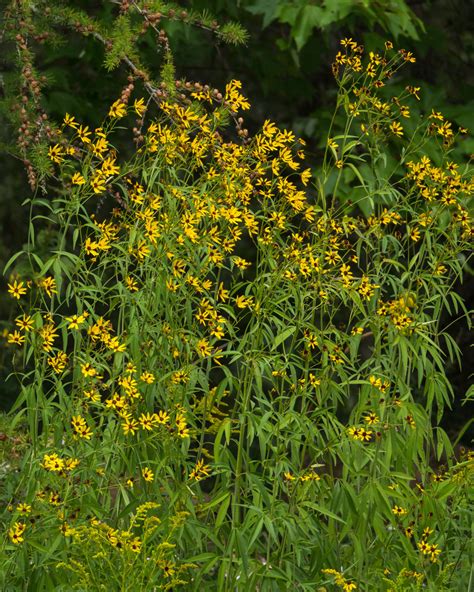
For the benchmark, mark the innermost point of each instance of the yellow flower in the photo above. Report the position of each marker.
(203, 348)
(88, 370)
(48, 333)
(24, 323)
(147, 421)
(118, 109)
(52, 462)
(233, 97)
(16, 337)
(98, 182)
(396, 128)
(100, 146)
(130, 426)
(24, 509)
(56, 153)
(348, 42)
(139, 106)
(92, 394)
(77, 179)
(70, 121)
(244, 301)
(413, 90)
(91, 247)
(17, 289)
(398, 511)
(131, 284)
(161, 417)
(48, 284)
(269, 128)
(181, 425)
(16, 533)
(109, 167)
(147, 474)
(130, 368)
(241, 263)
(305, 176)
(76, 321)
(371, 418)
(80, 427)
(58, 362)
(84, 133)
(114, 344)
(147, 377)
(135, 545)
(200, 471)
(167, 567)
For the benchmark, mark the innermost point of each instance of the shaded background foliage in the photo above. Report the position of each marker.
(285, 70)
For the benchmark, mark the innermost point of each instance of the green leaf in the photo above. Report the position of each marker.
(308, 18)
(267, 8)
(12, 259)
(222, 512)
(279, 339)
(322, 510)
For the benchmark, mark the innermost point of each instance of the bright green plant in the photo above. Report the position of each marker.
(233, 379)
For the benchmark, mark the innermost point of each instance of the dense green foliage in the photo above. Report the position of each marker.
(232, 343)
(289, 83)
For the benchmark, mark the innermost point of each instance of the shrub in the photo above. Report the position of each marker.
(232, 378)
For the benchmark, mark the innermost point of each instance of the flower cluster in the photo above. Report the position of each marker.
(218, 327)
(340, 580)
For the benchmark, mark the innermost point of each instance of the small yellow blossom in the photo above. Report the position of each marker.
(148, 475)
(118, 109)
(147, 377)
(56, 153)
(77, 179)
(139, 106)
(398, 511)
(16, 338)
(25, 323)
(17, 289)
(396, 128)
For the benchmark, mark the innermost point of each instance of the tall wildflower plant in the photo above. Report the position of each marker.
(232, 379)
